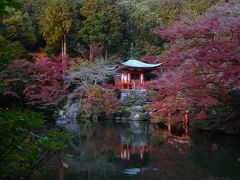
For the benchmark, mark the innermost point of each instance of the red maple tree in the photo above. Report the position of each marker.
(202, 61)
(48, 87)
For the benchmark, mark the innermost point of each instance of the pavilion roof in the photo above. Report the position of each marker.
(133, 63)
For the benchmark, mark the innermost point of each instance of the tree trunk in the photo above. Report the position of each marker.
(64, 52)
(91, 53)
(96, 50)
(106, 52)
(64, 44)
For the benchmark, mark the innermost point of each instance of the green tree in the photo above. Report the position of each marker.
(139, 23)
(102, 25)
(17, 26)
(56, 21)
(23, 150)
(16, 35)
(9, 51)
(34, 8)
(7, 3)
(169, 10)
(197, 7)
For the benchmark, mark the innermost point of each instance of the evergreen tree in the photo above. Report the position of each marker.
(16, 35)
(7, 3)
(56, 21)
(102, 26)
(139, 23)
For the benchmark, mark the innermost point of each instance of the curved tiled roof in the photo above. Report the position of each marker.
(132, 63)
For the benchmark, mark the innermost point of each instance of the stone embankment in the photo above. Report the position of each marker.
(134, 105)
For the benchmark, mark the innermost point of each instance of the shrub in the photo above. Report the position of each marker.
(126, 113)
(23, 150)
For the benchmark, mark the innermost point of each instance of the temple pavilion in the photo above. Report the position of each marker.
(131, 74)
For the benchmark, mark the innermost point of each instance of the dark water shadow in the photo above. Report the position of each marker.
(140, 150)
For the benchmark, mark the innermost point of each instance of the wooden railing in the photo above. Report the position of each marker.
(125, 85)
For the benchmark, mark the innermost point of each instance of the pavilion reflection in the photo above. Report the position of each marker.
(134, 141)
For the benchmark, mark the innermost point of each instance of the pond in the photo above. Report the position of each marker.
(141, 150)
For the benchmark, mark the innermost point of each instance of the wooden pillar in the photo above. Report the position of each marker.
(141, 151)
(128, 152)
(141, 78)
(129, 80)
(129, 76)
(169, 123)
(186, 122)
(121, 151)
(122, 77)
(125, 77)
(186, 117)
(186, 129)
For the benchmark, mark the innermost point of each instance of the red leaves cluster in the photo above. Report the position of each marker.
(222, 20)
(150, 59)
(202, 63)
(48, 86)
(99, 101)
(44, 84)
(41, 82)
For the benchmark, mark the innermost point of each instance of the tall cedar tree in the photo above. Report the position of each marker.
(102, 26)
(56, 21)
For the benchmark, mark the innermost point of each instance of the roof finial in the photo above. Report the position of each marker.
(131, 51)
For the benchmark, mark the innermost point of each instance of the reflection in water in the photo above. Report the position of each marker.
(140, 150)
(133, 140)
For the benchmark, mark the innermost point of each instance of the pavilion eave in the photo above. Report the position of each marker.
(135, 64)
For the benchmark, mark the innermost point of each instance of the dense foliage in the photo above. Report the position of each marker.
(23, 149)
(197, 41)
(102, 24)
(52, 25)
(201, 64)
(40, 83)
(7, 3)
(56, 21)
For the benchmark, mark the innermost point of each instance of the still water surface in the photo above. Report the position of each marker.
(140, 150)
